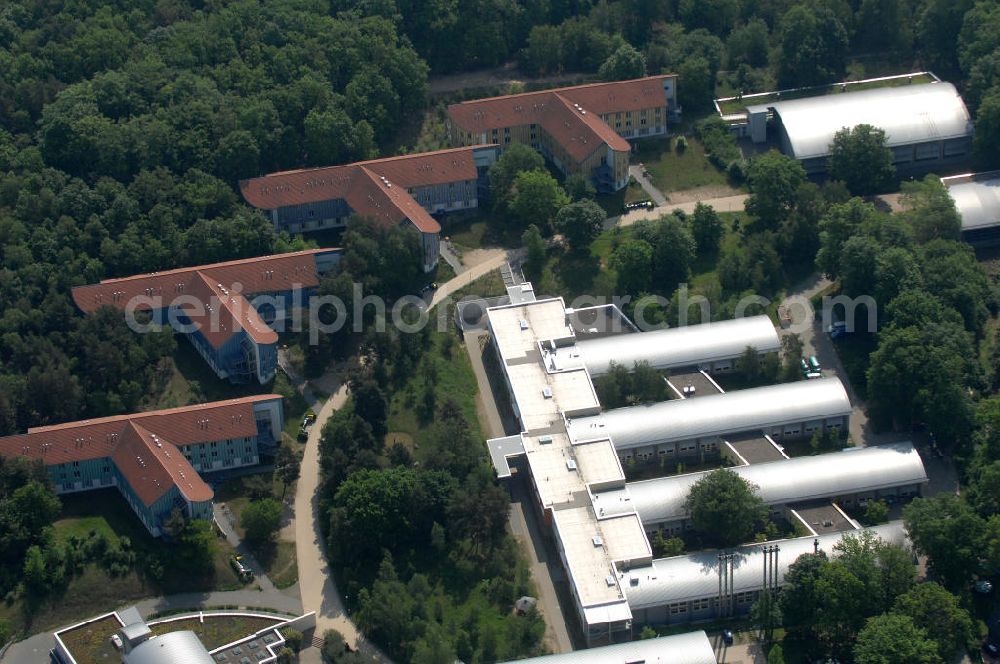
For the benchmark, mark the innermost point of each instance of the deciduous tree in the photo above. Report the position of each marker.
(860, 158)
(894, 639)
(580, 223)
(725, 508)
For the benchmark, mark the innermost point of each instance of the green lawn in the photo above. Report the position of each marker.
(455, 381)
(94, 590)
(216, 631)
(90, 644)
(676, 171)
(475, 229)
(733, 106)
(278, 558)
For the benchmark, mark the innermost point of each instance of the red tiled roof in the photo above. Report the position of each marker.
(600, 98)
(104, 437)
(263, 274)
(220, 313)
(619, 96)
(222, 284)
(152, 465)
(312, 185)
(579, 132)
(547, 109)
(388, 203)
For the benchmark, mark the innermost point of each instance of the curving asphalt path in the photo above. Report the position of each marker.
(316, 583)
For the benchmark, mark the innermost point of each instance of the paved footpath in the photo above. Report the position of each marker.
(316, 583)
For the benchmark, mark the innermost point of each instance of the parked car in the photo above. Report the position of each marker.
(814, 364)
(837, 330)
(242, 570)
(983, 587)
(638, 205)
(727, 637)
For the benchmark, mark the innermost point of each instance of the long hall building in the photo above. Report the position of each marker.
(686, 427)
(155, 459)
(223, 309)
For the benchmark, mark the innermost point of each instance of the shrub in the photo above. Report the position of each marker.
(737, 171)
(293, 639)
(680, 145)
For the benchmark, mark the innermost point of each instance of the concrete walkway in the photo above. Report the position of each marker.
(451, 258)
(647, 185)
(224, 519)
(316, 583)
(468, 276)
(301, 386)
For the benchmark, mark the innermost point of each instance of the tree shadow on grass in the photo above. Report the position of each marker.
(577, 272)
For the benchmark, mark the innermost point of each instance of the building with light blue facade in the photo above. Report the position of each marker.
(226, 309)
(156, 459)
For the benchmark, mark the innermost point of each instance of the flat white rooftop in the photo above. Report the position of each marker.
(590, 546)
(517, 329)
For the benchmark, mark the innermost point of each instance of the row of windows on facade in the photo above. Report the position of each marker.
(683, 449)
(88, 483)
(696, 605)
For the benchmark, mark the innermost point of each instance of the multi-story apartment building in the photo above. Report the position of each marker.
(581, 129)
(154, 458)
(211, 305)
(403, 190)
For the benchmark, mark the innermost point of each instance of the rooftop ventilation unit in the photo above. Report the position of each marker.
(523, 323)
(610, 580)
(570, 464)
(547, 392)
(545, 440)
(596, 539)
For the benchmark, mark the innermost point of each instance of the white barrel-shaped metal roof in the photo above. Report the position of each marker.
(170, 648)
(680, 346)
(908, 114)
(716, 414)
(685, 578)
(978, 203)
(689, 648)
(851, 471)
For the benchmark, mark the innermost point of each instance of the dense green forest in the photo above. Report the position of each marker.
(125, 125)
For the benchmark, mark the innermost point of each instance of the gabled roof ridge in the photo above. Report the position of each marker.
(215, 266)
(154, 413)
(565, 88)
(370, 162)
(171, 461)
(243, 314)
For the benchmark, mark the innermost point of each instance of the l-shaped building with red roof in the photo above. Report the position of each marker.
(224, 308)
(155, 459)
(583, 129)
(402, 191)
